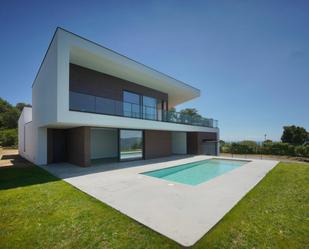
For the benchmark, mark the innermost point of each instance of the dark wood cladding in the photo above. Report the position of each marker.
(56, 145)
(78, 146)
(157, 144)
(88, 81)
(50, 143)
(192, 144)
(195, 141)
(69, 145)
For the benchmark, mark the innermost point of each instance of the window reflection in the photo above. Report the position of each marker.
(131, 104)
(149, 108)
(82, 102)
(131, 144)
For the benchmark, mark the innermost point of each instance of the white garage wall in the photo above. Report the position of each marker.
(29, 143)
(210, 148)
(26, 141)
(104, 143)
(179, 142)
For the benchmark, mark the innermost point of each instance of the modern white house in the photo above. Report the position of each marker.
(90, 103)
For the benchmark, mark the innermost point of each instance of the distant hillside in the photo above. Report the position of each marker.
(128, 143)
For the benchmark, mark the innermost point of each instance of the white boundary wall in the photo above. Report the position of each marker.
(25, 134)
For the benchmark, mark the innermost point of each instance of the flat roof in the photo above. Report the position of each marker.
(92, 55)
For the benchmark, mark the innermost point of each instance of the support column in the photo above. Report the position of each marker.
(78, 146)
(218, 143)
(157, 144)
(40, 145)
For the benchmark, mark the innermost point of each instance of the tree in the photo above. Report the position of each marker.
(9, 119)
(172, 109)
(4, 106)
(222, 142)
(294, 135)
(20, 106)
(9, 114)
(191, 112)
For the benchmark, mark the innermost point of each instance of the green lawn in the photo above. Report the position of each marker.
(38, 210)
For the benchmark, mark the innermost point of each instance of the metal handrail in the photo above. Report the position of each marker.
(101, 105)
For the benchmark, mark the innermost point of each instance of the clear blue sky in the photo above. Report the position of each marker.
(249, 58)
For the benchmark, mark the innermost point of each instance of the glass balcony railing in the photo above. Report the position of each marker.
(95, 104)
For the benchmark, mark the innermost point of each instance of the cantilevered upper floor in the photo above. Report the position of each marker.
(82, 83)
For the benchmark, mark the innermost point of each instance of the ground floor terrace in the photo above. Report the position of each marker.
(43, 211)
(179, 209)
(85, 146)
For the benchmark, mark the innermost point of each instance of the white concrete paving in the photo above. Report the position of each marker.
(181, 212)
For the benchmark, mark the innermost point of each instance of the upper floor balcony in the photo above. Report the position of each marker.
(101, 105)
(79, 75)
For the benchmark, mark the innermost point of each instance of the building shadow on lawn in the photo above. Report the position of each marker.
(17, 172)
(13, 160)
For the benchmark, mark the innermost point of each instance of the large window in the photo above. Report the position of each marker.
(149, 108)
(131, 144)
(131, 104)
(145, 107)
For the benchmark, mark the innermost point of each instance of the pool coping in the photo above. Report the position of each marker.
(182, 212)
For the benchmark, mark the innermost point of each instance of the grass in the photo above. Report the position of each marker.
(37, 210)
(275, 214)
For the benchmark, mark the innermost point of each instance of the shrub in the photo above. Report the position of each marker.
(302, 150)
(267, 147)
(306, 150)
(8, 137)
(251, 146)
(243, 147)
(278, 148)
(226, 148)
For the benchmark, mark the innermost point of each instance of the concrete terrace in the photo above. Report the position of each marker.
(181, 212)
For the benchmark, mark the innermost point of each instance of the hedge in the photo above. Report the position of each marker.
(8, 137)
(268, 148)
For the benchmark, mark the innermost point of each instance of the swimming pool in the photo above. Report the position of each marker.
(196, 172)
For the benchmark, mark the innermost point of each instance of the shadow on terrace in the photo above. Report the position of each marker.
(66, 170)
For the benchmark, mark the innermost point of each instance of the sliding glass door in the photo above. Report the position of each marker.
(131, 144)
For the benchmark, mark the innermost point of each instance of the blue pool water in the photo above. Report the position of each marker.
(197, 172)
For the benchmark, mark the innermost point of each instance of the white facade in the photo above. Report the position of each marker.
(179, 143)
(104, 143)
(50, 93)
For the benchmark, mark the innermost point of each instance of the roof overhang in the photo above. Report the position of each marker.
(96, 57)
